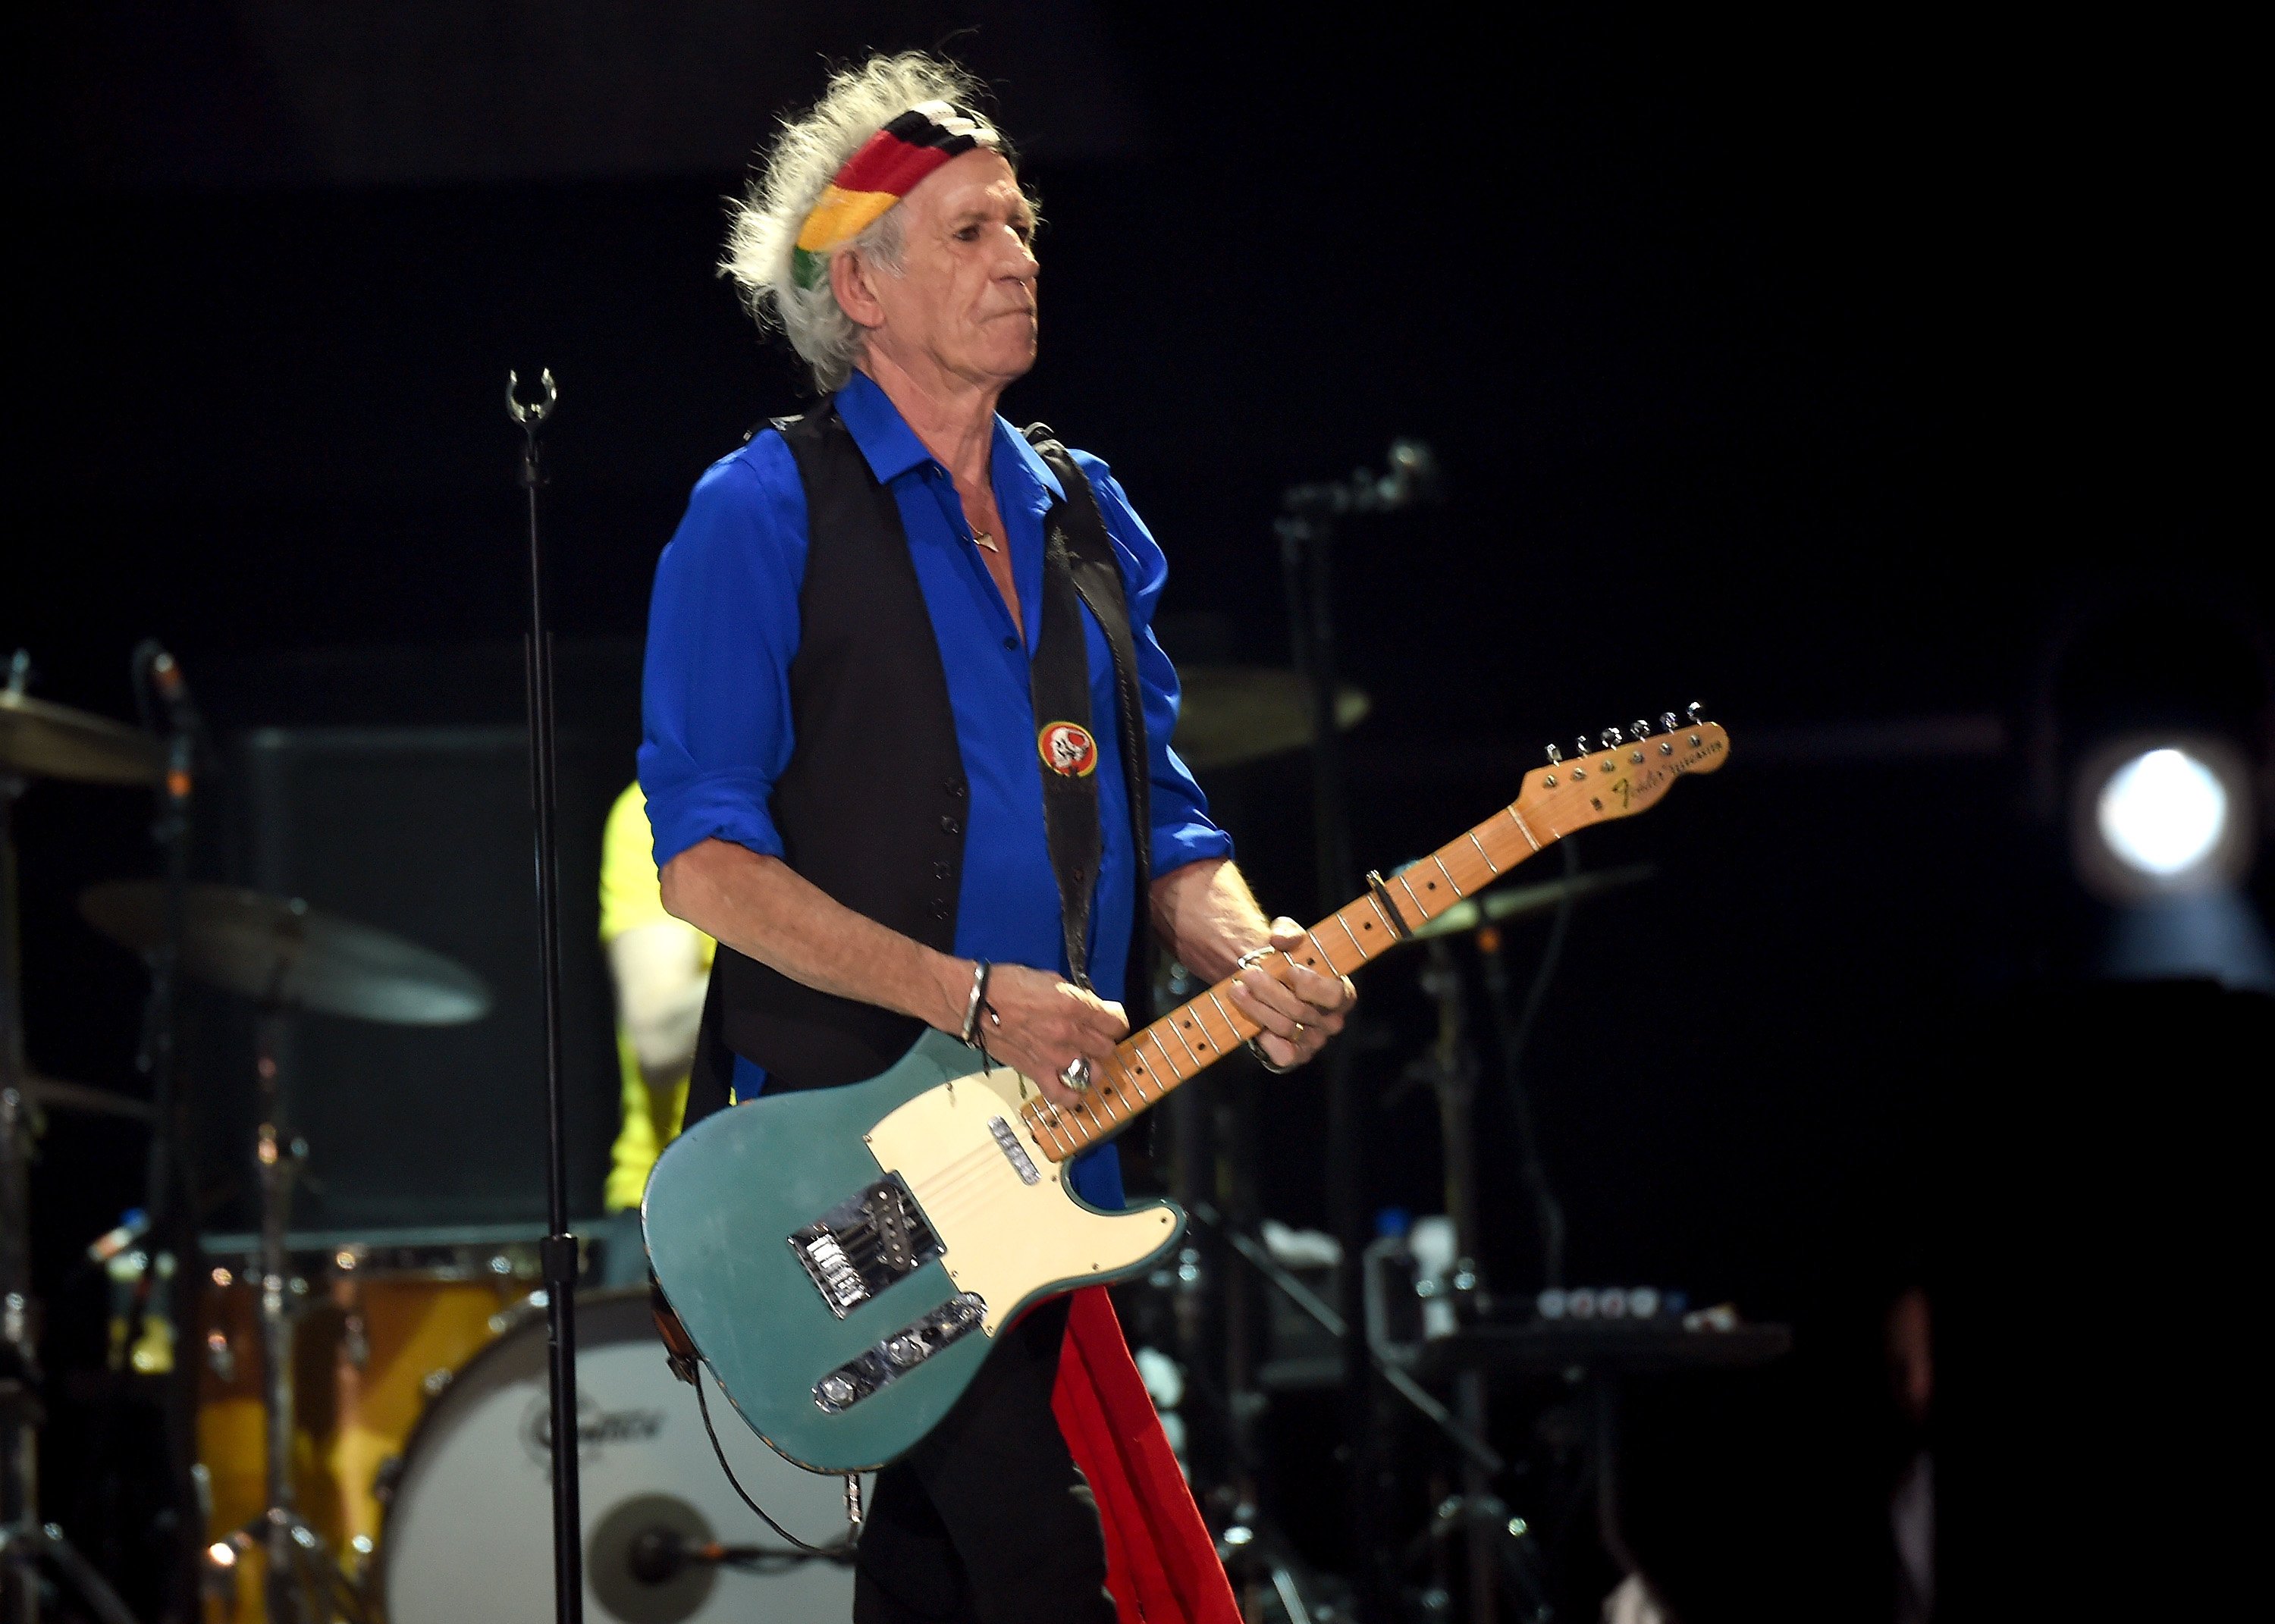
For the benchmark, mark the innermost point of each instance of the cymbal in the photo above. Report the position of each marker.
(55, 1094)
(1494, 906)
(55, 741)
(1234, 713)
(281, 952)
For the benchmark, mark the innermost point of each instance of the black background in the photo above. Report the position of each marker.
(1838, 370)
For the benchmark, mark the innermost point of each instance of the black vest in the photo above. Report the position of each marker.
(871, 808)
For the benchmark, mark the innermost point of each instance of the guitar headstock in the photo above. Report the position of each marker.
(1621, 772)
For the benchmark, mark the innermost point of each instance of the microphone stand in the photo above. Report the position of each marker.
(1306, 529)
(558, 1252)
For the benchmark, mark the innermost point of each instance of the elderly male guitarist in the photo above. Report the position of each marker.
(907, 758)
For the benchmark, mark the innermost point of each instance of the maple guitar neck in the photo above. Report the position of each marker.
(1615, 780)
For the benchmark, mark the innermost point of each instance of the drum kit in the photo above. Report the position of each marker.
(372, 1428)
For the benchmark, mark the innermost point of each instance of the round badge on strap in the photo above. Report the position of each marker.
(1067, 749)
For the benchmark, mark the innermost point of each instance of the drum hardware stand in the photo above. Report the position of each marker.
(24, 1538)
(1306, 529)
(1513, 1031)
(1451, 1070)
(559, 1251)
(1493, 1546)
(295, 1553)
(1493, 1551)
(163, 698)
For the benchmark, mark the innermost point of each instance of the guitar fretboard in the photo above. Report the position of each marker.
(1154, 1059)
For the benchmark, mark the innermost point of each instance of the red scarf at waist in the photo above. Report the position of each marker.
(1160, 1563)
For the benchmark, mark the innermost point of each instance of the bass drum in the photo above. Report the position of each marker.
(469, 1529)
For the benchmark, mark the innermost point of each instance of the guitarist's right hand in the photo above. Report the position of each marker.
(1037, 1024)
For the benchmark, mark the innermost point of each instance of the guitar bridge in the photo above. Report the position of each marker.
(865, 1244)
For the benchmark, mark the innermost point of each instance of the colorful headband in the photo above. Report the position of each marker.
(885, 170)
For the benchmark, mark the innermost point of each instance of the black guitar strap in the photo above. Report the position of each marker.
(1078, 563)
(1059, 682)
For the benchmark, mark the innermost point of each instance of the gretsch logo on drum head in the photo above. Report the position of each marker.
(597, 1429)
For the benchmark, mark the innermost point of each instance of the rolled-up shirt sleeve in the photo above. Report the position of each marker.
(1182, 830)
(722, 627)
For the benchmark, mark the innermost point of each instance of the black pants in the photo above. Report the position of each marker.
(987, 1521)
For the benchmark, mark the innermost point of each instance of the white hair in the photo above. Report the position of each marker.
(812, 146)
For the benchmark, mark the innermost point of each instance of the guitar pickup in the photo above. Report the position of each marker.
(865, 1244)
(899, 1354)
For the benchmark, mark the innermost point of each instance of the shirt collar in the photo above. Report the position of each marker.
(892, 447)
(878, 430)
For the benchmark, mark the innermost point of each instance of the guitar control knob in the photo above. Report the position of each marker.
(838, 1390)
(905, 1351)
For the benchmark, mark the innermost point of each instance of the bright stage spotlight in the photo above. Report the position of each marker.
(2158, 817)
(2163, 811)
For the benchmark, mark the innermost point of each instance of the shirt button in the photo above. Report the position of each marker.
(942, 871)
(949, 826)
(939, 910)
(1011, 643)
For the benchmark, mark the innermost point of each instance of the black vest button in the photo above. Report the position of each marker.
(949, 826)
(940, 909)
(942, 871)
(954, 788)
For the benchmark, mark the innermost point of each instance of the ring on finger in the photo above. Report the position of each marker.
(1076, 1074)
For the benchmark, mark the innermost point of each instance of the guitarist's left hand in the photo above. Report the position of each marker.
(1299, 1009)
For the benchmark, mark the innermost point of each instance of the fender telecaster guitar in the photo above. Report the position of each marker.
(842, 1258)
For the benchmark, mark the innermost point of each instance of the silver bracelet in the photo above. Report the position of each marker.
(978, 1002)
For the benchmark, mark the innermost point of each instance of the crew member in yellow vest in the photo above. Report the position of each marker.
(659, 966)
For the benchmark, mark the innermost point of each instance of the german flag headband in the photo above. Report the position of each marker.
(885, 170)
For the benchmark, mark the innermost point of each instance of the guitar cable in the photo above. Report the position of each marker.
(841, 1551)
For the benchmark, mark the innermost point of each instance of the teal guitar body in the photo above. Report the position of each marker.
(844, 1258)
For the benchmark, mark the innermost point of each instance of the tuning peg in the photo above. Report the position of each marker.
(1666, 722)
(1611, 738)
(1639, 730)
(1692, 711)
(1555, 756)
(1580, 746)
